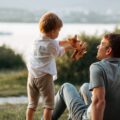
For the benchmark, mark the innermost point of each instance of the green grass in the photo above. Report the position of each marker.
(17, 112)
(13, 83)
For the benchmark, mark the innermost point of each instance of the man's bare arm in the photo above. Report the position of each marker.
(98, 103)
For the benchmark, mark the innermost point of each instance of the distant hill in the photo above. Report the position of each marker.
(67, 15)
(81, 11)
(15, 15)
(33, 5)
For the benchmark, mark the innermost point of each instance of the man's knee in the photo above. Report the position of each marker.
(84, 88)
(66, 86)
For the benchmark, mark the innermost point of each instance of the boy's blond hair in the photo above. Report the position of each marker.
(49, 22)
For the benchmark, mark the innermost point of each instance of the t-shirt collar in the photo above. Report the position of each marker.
(42, 36)
(112, 59)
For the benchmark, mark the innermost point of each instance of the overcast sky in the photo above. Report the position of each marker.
(98, 5)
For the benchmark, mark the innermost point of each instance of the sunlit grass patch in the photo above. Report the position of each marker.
(17, 112)
(13, 83)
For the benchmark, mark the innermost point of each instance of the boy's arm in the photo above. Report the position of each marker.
(56, 50)
(68, 48)
(64, 43)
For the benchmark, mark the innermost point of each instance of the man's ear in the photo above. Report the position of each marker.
(109, 51)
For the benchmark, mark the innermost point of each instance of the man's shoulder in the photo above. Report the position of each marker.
(100, 64)
(96, 63)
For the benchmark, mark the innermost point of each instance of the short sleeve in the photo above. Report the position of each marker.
(96, 76)
(55, 49)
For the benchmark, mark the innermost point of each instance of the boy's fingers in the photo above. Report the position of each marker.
(80, 54)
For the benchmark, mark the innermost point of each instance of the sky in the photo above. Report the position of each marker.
(32, 5)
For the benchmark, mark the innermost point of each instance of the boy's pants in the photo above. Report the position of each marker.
(43, 87)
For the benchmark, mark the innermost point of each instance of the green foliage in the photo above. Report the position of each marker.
(117, 30)
(12, 112)
(77, 72)
(10, 60)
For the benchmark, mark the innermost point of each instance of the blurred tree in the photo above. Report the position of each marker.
(10, 60)
(77, 72)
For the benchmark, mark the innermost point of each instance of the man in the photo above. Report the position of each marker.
(104, 102)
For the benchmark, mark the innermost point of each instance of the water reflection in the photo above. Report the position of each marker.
(13, 100)
(5, 33)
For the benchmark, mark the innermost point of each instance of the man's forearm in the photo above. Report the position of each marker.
(97, 111)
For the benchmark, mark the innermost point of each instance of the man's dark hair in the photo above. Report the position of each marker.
(114, 40)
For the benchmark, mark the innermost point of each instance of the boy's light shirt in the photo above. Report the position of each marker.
(41, 60)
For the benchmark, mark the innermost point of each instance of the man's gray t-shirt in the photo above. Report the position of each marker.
(106, 73)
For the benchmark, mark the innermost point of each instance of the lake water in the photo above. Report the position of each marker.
(20, 36)
(14, 100)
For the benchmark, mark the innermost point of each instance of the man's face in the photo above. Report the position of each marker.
(104, 49)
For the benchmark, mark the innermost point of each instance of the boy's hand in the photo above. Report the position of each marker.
(68, 48)
(73, 41)
(79, 48)
(64, 43)
(79, 51)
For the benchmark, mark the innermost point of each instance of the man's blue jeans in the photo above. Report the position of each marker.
(68, 97)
